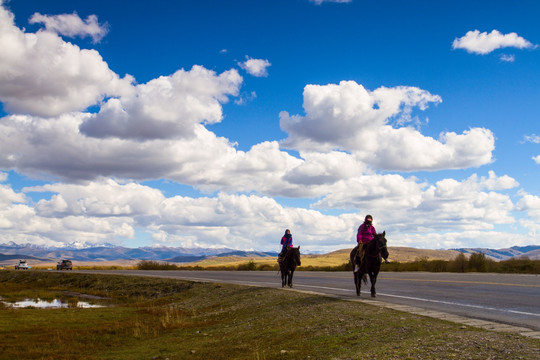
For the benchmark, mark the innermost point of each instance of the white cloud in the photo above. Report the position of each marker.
(21, 223)
(107, 211)
(340, 113)
(72, 25)
(166, 107)
(55, 147)
(530, 204)
(319, 2)
(250, 222)
(535, 139)
(236, 221)
(484, 43)
(373, 193)
(532, 138)
(40, 74)
(350, 118)
(508, 58)
(256, 67)
(105, 197)
(8, 196)
(403, 206)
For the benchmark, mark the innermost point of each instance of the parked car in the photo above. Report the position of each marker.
(22, 265)
(64, 265)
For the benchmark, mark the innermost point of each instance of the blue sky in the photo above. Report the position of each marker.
(222, 123)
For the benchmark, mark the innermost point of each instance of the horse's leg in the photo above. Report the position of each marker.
(373, 279)
(283, 277)
(358, 282)
(290, 278)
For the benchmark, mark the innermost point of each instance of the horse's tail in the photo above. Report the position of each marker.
(364, 279)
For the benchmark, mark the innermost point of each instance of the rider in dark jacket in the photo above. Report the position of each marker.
(286, 243)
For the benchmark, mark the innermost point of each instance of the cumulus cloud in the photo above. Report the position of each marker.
(105, 197)
(109, 210)
(529, 204)
(20, 222)
(536, 159)
(166, 107)
(373, 193)
(42, 75)
(8, 196)
(370, 124)
(55, 148)
(484, 43)
(227, 220)
(406, 203)
(255, 67)
(72, 25)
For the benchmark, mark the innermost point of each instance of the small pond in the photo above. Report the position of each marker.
(54, 304)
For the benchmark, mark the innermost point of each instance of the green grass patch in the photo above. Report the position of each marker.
(153, 318)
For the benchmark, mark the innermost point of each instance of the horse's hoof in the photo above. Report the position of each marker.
(373, 295)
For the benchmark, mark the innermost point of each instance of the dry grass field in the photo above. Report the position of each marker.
(335, 258)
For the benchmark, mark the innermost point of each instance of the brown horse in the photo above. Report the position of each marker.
(290, 261)
(374, 251)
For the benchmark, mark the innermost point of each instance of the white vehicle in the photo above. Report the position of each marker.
(22, 265)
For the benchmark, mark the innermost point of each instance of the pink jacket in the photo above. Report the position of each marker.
(365, 234)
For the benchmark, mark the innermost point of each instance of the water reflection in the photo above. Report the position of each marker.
(54, 304)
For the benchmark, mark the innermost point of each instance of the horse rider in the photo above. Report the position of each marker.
(365, 234)
(286, 243)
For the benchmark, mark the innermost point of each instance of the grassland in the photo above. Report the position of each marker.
(332, 259)
(151, 318)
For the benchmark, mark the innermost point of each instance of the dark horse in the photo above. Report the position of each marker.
(371, 264)
(290, 261)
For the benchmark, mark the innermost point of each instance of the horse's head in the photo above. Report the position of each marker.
(380, 241)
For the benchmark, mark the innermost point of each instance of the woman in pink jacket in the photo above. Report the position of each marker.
(365, 234)
(366, 231)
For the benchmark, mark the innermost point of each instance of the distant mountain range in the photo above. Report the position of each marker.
(530, 251)
(13, 251)
(111, 253)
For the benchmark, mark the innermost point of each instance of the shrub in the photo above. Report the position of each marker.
(459, 264)
(250, 266)
(155, 265)
(477, 262)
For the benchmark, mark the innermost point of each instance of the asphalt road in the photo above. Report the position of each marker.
(502, 298)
